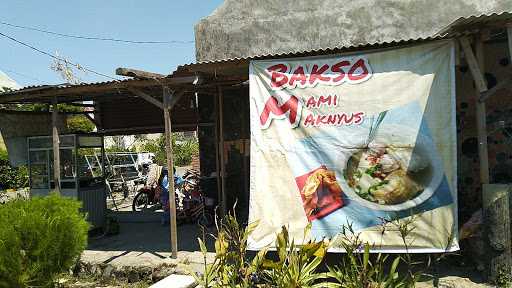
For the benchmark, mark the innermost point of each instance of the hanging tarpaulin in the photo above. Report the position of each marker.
(360, 140)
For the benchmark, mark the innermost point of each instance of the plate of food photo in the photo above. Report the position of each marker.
(398, 170)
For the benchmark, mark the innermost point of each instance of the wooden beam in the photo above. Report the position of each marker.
(146, 97)
(170, 169)
(175, 98)
(56, 146)
(222, 154)
(137, 73)
(496, 217)
(217, 149)
(476, 66)
(509, 36)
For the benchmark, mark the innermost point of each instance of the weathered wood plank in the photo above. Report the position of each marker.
(170, 165)
(222, 154)
(137, 73)
(56, 146)
(476, 66)
(146, 97)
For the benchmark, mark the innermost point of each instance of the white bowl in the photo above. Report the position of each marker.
(430, 177)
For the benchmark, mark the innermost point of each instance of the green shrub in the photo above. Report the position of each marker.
(298, 266)
(11, 177)
(39, 239)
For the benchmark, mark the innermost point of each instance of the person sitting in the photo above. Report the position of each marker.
(164, 197)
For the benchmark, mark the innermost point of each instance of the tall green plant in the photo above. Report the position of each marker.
(359, 270)
(297, 264)
(39, 239)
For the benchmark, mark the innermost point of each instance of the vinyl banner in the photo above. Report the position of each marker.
(366, 141)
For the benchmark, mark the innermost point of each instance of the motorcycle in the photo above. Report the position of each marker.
(191, 205)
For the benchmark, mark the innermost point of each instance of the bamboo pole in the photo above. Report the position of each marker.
(56, 146)
(170, 173)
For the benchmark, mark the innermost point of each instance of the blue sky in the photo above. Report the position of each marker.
(156, 20)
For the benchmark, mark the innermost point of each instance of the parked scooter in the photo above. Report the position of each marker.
(191, 205)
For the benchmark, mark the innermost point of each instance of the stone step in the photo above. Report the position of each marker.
(176, 281)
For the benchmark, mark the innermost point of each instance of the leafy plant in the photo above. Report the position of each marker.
(183, 149)
(231, 267)
(40, 238)
(358, 270)
(297, 264)
(11, 177)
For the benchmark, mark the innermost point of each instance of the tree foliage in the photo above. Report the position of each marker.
(183, 149)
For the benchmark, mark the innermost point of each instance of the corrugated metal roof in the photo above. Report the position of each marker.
(470, 24)
(450, 31)
(323, 51)
(67, 85)
(456, 28)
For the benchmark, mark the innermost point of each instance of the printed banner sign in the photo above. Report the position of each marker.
(362, 140)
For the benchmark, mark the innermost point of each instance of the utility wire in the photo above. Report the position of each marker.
(96, 38)
(56, 57)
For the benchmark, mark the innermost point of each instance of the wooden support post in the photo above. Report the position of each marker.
(56, 146)
(496, 216)
(222, 156)
(170, 177)
(509, 36)
(476, 64)
(217, 150)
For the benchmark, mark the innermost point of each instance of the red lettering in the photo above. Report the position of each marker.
(309, 120)
(311, 103)
(331, 119)
(278, 78)
(344, 118)
(272, 107)
(320, 119)
(299, 75)
(360, 64)
(358, 117)
(324, 100)
(337, 68)
(316, 74)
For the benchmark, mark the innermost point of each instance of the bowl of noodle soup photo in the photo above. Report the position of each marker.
(399, 169)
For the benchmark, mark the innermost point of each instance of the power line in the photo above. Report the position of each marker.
(96, 38)
(56, 57)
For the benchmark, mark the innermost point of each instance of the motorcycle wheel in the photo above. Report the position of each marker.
(140, 202)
